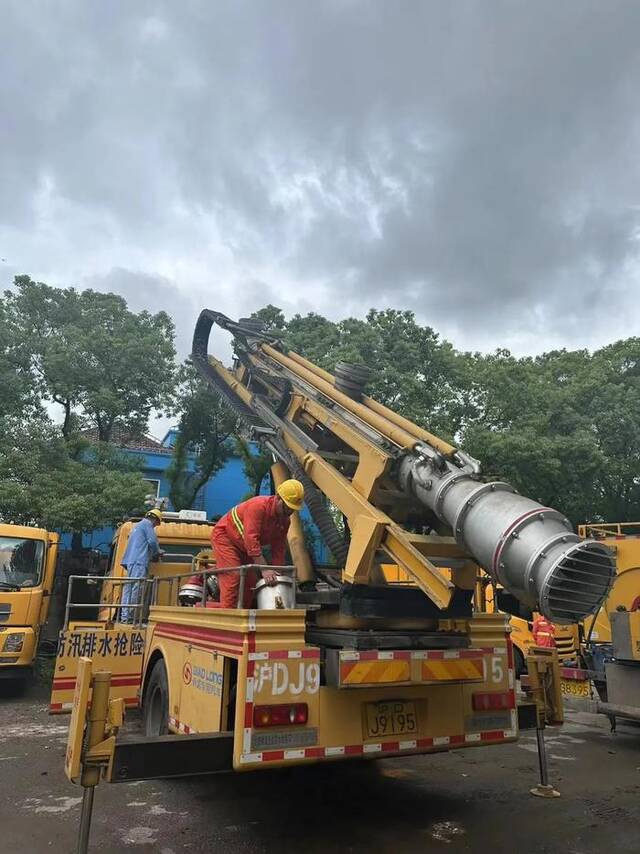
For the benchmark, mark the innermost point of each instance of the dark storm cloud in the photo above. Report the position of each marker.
(474, 161)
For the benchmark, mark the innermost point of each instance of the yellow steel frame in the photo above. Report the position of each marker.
(371, 529)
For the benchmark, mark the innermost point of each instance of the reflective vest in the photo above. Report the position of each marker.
(543, 632)
(256, 523)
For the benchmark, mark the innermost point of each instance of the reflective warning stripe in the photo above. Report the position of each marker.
(362, 672)
(431, 654)
(237, 521)
(181, 727)
(372, 667)
(308, 652)
(453, 669)
(418, 745)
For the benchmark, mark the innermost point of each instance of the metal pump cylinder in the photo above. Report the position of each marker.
(529, 549)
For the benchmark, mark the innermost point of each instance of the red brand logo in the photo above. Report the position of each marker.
(186, 673)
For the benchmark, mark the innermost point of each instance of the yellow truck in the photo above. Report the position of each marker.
(599, 650)
(623, 538)
(182, 537)
(27, 568)
(330, 666)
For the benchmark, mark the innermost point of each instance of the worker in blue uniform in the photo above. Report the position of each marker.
(142, 547)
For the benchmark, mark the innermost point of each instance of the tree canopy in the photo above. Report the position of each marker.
(562, 427)
(203, 441)
(43, 482)
(256, 464)
(94, 357)
(105, 366)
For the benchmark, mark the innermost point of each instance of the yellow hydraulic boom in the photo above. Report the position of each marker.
(392, 480)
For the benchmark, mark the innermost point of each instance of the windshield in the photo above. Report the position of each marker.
(20, 562)
(181, 549)
(179, 552)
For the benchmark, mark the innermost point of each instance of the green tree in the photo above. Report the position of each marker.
(256, 465)
(93, 356)
(203, 443)
(18, 394)
(612, 397)
(41, 483)
(105, 366)
(272, 317)
(412, 370)
(563, 427)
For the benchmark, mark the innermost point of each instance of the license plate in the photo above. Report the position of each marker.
(575, 688)
(393, 717)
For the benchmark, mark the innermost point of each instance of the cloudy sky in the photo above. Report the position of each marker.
(477, 162)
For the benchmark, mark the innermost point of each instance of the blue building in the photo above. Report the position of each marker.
(226, 488)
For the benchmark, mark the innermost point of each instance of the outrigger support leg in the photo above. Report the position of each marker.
(544, 789)
(85, 820)
(91, 741)
(544, 685)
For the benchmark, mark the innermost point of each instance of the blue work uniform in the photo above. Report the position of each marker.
(142, 546)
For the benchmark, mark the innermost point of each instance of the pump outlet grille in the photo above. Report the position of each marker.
(578, 583)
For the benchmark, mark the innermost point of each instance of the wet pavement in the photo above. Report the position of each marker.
(476, 800)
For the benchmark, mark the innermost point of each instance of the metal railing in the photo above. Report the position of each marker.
(242, 570)
(601, 530)
(145, 585)
(150, 590)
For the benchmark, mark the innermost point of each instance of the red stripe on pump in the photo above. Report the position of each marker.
(503, 539)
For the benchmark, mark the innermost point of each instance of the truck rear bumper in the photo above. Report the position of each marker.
(171, 756)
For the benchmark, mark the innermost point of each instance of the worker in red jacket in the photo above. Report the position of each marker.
(241, 534)
(543, 632)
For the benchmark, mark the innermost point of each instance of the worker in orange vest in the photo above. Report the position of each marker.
(543, 632)
(240, 536)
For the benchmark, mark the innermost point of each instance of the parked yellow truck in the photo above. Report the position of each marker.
(27, 568)
(359, 665)
(623, 538)
(111, 643)
(602, 660)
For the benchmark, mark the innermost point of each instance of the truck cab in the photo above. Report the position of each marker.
(27, 568)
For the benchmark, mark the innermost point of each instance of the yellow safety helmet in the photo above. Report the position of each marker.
(154, 514)
(292, 493)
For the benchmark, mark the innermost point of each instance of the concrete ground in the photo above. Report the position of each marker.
(475, 800)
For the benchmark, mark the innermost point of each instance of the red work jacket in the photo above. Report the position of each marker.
(543, 632)
(256, 523)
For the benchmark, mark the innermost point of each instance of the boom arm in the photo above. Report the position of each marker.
(386, 475)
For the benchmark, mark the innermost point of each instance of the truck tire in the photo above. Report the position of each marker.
(155, 706)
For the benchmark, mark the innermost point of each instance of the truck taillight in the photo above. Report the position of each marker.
(485, 702)
(283, 714)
